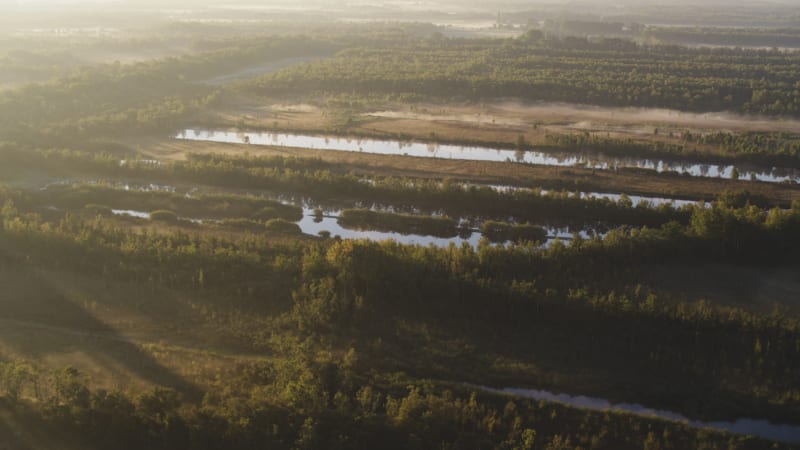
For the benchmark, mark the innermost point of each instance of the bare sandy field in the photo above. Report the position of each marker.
(582, 117)
(489, 123)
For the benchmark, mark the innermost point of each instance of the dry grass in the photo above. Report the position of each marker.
(122, 336)
(500, 122)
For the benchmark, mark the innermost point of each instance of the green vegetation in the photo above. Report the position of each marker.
(115, 99)
(281, 226)
(101, 210)
(503, 232)
(326, 181)
(216, 206)
(163, 215)
(455, 199)
(558, 307)
(217, 324)
(243, 224)
(765, 149)
(356, 415)
(611, 72)
(739, 37)
(402, 223)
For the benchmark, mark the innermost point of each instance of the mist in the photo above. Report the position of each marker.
(399, 224)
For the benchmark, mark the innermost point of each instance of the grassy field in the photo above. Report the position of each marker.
(120, 335)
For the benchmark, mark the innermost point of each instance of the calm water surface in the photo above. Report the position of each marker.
(312, 226)
(447, 151)
(760, 428)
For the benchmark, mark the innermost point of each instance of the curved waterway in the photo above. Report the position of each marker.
(473, 153)
(753, 427)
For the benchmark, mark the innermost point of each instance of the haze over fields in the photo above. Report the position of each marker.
(399, 225)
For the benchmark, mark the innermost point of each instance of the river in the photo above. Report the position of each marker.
(753, 427)
(474, 153)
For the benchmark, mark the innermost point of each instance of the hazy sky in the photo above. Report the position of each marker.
(555, 8)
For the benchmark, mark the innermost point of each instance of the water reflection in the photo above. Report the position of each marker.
(310, 225)
(446, 151)
(752, 427)
(317, 222)
(635, 199)
(132, 213)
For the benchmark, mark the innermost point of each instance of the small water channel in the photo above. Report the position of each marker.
(473, 153)
(654, 202)
(753, 427)
(130, 212)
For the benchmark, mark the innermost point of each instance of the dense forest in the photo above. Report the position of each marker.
(764, 149)
(351, 293)
(611, 72)
(728, 37)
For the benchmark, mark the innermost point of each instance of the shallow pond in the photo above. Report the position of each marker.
(311, 225)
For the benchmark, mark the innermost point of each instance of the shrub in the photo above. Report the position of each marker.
(98, 210)
(163, 215)
(281, 226)
(501, 232)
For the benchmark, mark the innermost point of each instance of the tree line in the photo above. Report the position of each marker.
(608, 73)
(334, 407)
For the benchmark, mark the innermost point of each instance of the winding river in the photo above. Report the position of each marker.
(753, 427)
